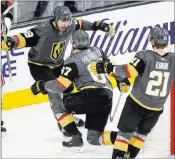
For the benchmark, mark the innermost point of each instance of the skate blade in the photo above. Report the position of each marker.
(74, 149)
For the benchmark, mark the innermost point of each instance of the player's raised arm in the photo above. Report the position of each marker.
(97, 25)
(21, 40)
(131, 70)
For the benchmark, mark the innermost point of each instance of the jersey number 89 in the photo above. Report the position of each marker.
(29, 34)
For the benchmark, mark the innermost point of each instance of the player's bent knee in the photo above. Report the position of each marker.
(71, 102)
(93, 137)
(69, 108)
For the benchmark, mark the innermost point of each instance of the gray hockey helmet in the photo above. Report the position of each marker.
(81, 39)
(160, 35)
(63, 13)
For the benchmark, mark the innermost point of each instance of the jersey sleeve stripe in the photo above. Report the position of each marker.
(127, 70)
(131, 71)
(63, 82)
(21, 41)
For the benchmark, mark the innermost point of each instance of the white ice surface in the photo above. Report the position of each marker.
(33, 133)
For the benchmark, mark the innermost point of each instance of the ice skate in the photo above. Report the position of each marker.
(75, 143)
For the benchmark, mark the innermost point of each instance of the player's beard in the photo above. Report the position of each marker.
(63, 29)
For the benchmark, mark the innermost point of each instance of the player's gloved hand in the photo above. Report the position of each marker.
(7, 45)
(111, 32)
(38, 87)
(100, 67)
(124, 85)
(100, 25)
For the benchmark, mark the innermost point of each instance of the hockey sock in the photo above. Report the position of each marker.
(133, 151)
(135, 144)
(67, 122)
(108, 137)
(120, 147)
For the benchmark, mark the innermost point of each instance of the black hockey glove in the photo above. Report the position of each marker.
(104, 67)
(123, 85)
(38, 87)
(100, 67)
(100, 25)
(7, 45)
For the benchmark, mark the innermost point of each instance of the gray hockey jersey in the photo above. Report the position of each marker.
(155, 77)
(85, 78)
(76, 69)
(47, 43)
(51, 47)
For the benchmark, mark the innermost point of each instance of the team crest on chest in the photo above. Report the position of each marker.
(57, 50)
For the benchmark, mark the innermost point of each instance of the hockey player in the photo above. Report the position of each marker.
(94, 96)
(48, 43)
(155, 73)
(7, 25)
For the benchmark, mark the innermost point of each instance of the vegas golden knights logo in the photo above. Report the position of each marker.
(57, 50)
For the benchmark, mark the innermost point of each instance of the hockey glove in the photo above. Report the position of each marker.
(7, 45)
(111, 31)
(100, 25)
(124, 85)
(38, 87)
(100, 67)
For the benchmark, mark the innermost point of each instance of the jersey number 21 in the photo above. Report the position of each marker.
(160, 82)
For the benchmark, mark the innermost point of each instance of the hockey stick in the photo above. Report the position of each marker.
(9, 8)
(5, 37)
(116, 107)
